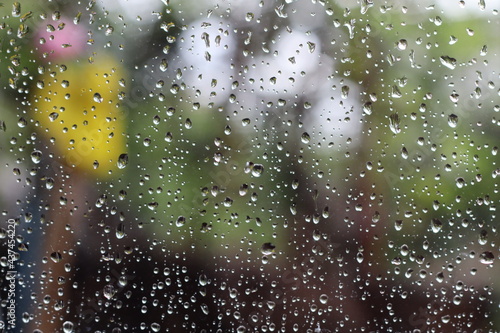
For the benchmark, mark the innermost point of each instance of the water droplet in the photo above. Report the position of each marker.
(56, 257)
(323, 299)
(163, 65)
(203, 280)
(449, 62)
(181, 220)
(460, 182)
(109, 291)
(49, 183)
(396, 93)
(16, 9)
(367, 108)
(120, 231)
(486, 258)
(36, 156)
(483, 237)
(404, 153)
(436, 225)
(453, 120)
(267, 249)
(98, 98)
(311, 47)
(122, 161)
(68, 327)
(402, 44)
(257, 170)
(22, 122)
(155, 327)
(53, 116)
(484, 50)
(454, 97)
(394, 123)
(305, 138)
(243, 189)
(345, 92)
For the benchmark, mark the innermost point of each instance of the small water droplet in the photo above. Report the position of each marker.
(323, 298)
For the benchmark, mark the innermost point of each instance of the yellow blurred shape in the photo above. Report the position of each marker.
(77, 105)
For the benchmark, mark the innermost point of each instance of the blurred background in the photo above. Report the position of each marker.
(239, 166)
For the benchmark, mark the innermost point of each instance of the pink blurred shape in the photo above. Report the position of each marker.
(61, 40)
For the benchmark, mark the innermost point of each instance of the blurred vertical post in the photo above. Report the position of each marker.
(75, 107)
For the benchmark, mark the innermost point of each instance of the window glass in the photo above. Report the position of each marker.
(249, 166)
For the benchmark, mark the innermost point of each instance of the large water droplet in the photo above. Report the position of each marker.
(437, 225)
(122, 161)
(181, 220)
(56, 257)
(486, 258)
(68, 327)
(460, 182)
(98, 98)
(402, 44)
(109, 291)
(449, 62)
(155, 327)
(257, 170)
(305, 138)
(394, 123)
(120, 231)
(267, 249)
(453, 120)
(36, 156)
